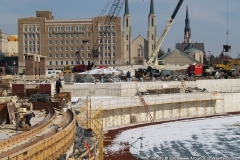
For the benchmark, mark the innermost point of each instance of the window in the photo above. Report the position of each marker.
(105, 54)
(56, 55)
(82, 35)
(61, 48)
(49, 35)
(25, 49)
(55, 35)
(25, 29)
(77, 49)
(66, 55)
(72, 63)
(113, 54)
(61, 42)
(88, 48)
(30, 29)
(71, 55)
(88, 28)
(109, 54)
(113, 27)
(66, 62)
(76, 41)
(56, 48)
(38, 29)
(38, 49)
(33, 49)
(89, 54)
(33, 42)
(100, 62)
(50, 49)
(71, 49)
(30, 49)
(109, 48)
(152, 36)
(109, 41)
(25, 42)
(49, 42)
(127, 22)
(113, 41)
(109, 62)
(113, 62)
(25, 35)
(82, 48)
(152, 22)
(127, 37)
(66, 35)
(50, 55)
(61, 55)
(113, 34)
(56, 42)
(82, 55)
(76, 35)
(88, 34)
(105, 62)
(113, 47)
(56, 63)
(66, 49)
(37, 42)
(127, 47)
(61, 62)
(71, 41)
(61, 35)
(50, 63)
(71, 35)
(66, 41)
(37, 35)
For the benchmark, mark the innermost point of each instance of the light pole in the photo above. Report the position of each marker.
(209, 62)
(14, 68)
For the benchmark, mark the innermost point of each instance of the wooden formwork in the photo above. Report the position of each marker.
(49, 146)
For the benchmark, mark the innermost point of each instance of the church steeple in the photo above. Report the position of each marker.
(187, 29)
(126, 7)
(152, 8)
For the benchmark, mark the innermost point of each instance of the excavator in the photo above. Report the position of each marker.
(155, 65)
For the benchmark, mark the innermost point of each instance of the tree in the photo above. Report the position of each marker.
(161, 52)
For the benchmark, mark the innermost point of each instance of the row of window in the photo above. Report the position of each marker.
(31, 42)
(61, 42)
(106, 48)
(31, 29)
(67, 28)
(71, 35)
(31, 35)
(106, 28)
(72, 62)
(61, 55)
(33, 49)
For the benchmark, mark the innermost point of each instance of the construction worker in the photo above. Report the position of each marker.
(25, 124)
(58, 85)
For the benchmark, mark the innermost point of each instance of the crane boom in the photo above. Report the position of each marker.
(152, 60)
(111, 17)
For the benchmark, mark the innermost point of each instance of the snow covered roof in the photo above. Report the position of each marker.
(108, 70)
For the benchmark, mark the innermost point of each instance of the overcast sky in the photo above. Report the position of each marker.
(208, 18)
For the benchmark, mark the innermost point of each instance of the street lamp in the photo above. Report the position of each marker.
(14, 68)
(209, 62)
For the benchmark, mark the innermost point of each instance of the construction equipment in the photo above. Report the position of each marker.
(110, 18)
(155, 65)
(229, 66)
(67, 69)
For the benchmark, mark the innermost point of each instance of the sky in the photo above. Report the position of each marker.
(209, 19)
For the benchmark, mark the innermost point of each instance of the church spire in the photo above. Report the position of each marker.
(152, 8)
(126, 7)
(187, 29)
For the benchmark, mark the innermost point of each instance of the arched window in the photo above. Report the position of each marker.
(152, 36)
(127, 22)
(152, 22)
(127, 37)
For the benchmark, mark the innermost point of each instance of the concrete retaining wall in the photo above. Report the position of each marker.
(121, 112)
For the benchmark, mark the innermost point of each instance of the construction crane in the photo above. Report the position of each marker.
(110, 18)
(154, 65)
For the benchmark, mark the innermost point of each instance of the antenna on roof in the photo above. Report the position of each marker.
(227, 48)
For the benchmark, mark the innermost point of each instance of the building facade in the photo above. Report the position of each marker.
(3, 41)
(138, 49)
(59, 40)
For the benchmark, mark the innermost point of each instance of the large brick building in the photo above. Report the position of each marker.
(59, 40)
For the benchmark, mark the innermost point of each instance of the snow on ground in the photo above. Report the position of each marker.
(108, 70)
(219, 137)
